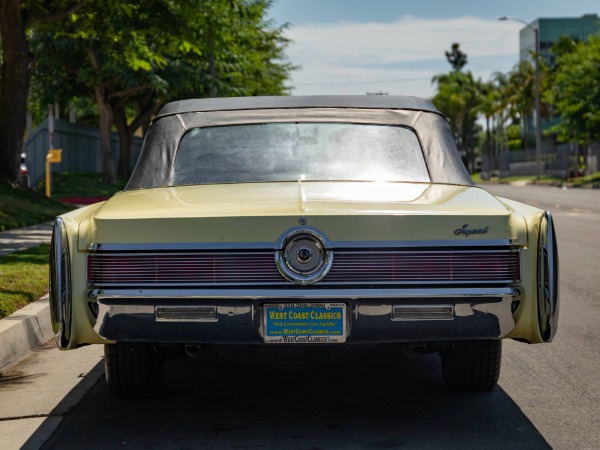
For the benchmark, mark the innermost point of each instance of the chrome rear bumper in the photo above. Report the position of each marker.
(374, 316)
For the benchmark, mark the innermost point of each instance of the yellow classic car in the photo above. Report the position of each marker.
(301, 230)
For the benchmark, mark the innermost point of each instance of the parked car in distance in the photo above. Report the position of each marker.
(297, 230)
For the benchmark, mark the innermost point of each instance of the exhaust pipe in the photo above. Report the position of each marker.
(193, 351)
(413, 348)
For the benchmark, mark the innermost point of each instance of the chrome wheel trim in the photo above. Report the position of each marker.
(548, 282)
(60, 286)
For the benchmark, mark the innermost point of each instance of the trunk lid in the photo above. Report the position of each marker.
(262, 212)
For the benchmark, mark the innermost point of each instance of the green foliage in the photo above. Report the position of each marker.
(522, 88)
(504, 100)
(23, 278)
(456, 57)
(458, 96)
(168, 50)
(520, 93)
(514, 134)
(22, 207)
(133, 56)
(564, 45)
(82, 184)
(589, 180)
(576, 92)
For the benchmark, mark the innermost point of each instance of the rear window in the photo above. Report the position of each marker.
(272, 152)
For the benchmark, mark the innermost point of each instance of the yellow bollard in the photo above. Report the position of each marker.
(53, 156)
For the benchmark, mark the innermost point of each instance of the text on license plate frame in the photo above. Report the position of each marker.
(304, 323)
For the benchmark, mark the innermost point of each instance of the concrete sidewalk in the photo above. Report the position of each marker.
(32, 410)
(29, 327)
(21, 238)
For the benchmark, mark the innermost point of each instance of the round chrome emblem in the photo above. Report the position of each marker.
(303, 257)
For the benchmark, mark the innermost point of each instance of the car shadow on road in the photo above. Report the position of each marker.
(377, 402)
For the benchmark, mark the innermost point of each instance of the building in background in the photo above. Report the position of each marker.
(561, 159)
(551, 29)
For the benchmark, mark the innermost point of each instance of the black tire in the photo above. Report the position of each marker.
(472, 365)
(132, 369)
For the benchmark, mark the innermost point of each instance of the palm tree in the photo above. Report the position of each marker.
(521, 91)
(457, 97)
(504, 112)
(488, 106)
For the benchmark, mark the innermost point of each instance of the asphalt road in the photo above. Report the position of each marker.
(557, 385)
(548, 395)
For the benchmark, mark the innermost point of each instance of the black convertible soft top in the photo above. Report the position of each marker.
(155, 164)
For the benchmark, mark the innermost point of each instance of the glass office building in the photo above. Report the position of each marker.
(578, 28)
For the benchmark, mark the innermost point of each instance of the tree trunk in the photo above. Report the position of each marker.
(212, 71)
(525, 131)
(488, 139)
(212, 64)
(15, 78)
(105, 123)
(146, 109)
(125, 138)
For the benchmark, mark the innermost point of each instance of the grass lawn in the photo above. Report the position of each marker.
(81, 184)
(24, 275)
(23, 278)
(23, 207)
(593, 179)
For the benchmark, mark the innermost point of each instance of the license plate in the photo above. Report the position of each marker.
(305, 323)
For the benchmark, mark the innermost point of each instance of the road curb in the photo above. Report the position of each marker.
(23, 331)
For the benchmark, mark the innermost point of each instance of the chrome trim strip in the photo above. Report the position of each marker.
(302, 229)
(271, 252)
(322, 294)
(422, 312)
(186, 313)
(329, 283)
(111, 247)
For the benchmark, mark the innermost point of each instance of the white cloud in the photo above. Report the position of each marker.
(399, 57)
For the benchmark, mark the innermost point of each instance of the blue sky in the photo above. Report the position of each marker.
(397, 46)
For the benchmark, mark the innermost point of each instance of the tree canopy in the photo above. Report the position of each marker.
(456, 57)
(570, 93)
(17, 18)
(458, 97)
(133, 56)
(575, 93)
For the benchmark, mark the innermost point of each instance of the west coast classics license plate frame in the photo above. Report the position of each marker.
(304, 323)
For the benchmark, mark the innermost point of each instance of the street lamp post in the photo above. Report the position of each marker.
(538, 117)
